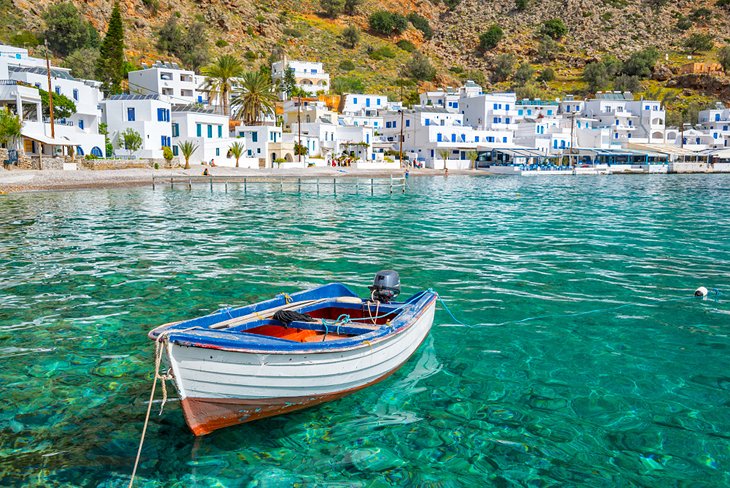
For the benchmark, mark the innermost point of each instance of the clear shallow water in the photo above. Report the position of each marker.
(588, 363)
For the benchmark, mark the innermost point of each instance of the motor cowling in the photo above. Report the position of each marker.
(386, 286)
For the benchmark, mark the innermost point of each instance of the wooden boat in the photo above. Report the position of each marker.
(242, 364)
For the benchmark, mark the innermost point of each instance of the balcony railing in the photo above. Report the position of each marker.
(8, 82)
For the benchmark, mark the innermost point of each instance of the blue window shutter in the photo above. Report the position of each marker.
(220, 131)
(81, 124)
(130, 114)
(199, 129)
(210, 131)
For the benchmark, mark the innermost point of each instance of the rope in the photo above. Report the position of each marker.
(159, 347)
(287, 297)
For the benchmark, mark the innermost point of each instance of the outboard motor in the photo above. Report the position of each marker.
(386, 286)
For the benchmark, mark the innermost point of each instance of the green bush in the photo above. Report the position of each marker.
(292, 32)
(723, 57)
(153, 5)
(350, 36)
(406, 45)
(523, 74)
(521, 5)
(347, 65)
(554, 28)
(382, 53)
(387, 23)
(698, 42)
(701, 15)
(722, 3)
(421, 23)
(221, 43)
(456, 69)
(24, 39)
(250, 55)
(490, 38)
(627, 83)
(684, 24)
(502, 67)
(82, 62)
(332, 8)
(348, 84)
(351, 6)
(66, 29)
(640, 63)
(547, 74)
(419, 68)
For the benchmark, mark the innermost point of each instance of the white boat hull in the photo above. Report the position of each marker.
(219, 388)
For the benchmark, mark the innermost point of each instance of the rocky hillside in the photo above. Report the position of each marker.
(253, 29)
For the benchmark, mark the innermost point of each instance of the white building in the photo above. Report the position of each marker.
(629, 120)
(22, 77)
(716, 122)
(261, 142)
(174, 84)
(306, 110)
(359, 104)
(309, 76)
(447, 99)
(148, 115)
(536, 109)
(208, 130)
(428, 131)
(495, 111)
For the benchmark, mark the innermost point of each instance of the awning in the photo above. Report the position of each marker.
(44, 139)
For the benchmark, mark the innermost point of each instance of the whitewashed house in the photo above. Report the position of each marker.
(536, 109)
(175, 85)
(629, 120)
(261, 142)
(447, 99)
(716, 122)
(309, 76)
(208, 130)
(490, 111)
(307, 110)
(569, 105)
(21, 77)
(148, 115)
(427, 131)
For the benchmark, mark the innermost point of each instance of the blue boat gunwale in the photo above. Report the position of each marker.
(197, 332)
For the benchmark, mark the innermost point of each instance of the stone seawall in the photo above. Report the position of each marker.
(699, 167)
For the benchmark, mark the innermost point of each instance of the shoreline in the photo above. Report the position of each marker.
(26, 181)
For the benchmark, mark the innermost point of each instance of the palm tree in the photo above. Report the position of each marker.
(444, 153)
(10, 126)
(221, 75)
(254, 99)
(472, 155)
(237, 150)
(187, 148)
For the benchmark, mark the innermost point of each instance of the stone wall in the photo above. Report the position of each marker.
(97, 164)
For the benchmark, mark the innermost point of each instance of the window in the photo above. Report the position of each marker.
(453, 137)
(175, 130)
(504, 139)
(79, 150)
(476, 139)
(506, 107)
(199, 130)
(439, 137)
(367, 102)
(408, 123)
(217, 151)
(549, 112)
(717, 117)
(220, 132)
(81, 124)
(254, 137)
(648, 107)
(130, 114)
(76, 94)
(58, 90)
(506, 121)
(377, 102)
(520, 112)
(428, 121)
(567, 108)
(175, 150)
(555, 144)
(97, 152)
(354, 100)
(160, 114)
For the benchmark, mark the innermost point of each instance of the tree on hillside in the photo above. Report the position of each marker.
(351, 6)
(190, 45)
(110, 66)
(521, 5)
(627, 83)
(348, 84)
(502, 67)
(419, 68)
(421, 23)
(220, 78)
(332, 8)
(490, 38)
(547, 49)
(723, 57)
(82, 62)
(524, 73)
(66, 30)
(596, 76)
(697, 42)
(554, 28)
(640, 63)
(254, 99)
(387, 23)
(350, 36)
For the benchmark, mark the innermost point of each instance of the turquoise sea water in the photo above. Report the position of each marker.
(588, 363)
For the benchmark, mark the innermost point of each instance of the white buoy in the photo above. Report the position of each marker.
(701, 292)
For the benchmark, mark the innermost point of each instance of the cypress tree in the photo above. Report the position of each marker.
(110, 67)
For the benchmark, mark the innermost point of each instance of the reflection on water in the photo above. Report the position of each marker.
(589, 362)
